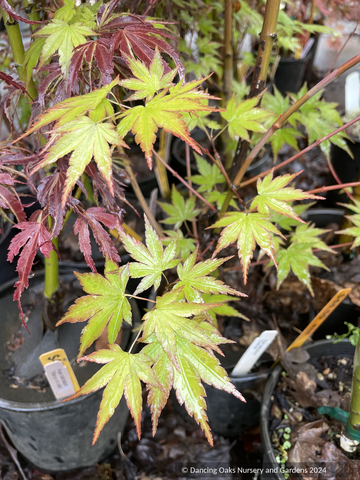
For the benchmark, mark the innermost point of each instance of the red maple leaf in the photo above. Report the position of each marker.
(136, 35)
(92, 218)
(10, 199)
(99, 50)
(33, 236)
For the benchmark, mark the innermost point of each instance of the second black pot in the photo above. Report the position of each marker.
(228, 416)
(290, 74)
(316, 350)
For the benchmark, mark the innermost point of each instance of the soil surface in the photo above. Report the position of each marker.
(301, 437)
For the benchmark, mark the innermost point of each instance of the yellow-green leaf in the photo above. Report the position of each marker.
(248, 229)
(105, 304)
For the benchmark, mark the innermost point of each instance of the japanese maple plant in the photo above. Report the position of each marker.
(91, 75)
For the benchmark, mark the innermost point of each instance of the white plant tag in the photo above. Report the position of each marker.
(253, 353)
(59, 380)
(352, 94)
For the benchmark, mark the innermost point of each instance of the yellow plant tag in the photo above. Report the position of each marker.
(59, 373)
(320, 317)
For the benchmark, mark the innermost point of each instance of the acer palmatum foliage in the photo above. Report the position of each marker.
(92, 75)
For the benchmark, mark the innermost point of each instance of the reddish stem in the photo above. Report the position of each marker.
(334, 187)
(299, 154)
(183, 181)
(188, 172)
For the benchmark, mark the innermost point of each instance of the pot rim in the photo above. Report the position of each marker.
(55, 404)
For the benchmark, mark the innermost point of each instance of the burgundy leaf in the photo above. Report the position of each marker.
(50, 192)
(92, 218)
(10, 81)
(107, 200)
(6, 179)
(33, 235)
(18, 159)
(101, 51)
(12, 202)
(11, 12)
(105, 11)
(137, 35)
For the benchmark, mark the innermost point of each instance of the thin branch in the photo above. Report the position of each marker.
(139, 298)
(184, 182)
(342, 48)
(142, 201)
(188, 173)
(221, 167)
(287, 114)
(299, 154)
(334, 187)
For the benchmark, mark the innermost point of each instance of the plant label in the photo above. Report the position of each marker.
(59, 373)
(59, 380)
(320, 318)
(254, 352)
(352, 94)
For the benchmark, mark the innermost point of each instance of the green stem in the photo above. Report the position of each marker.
(51, 271)
(33, 14)
(17, 48)
(228, 61)
(88, 188)
(267, 38)
(354, 417)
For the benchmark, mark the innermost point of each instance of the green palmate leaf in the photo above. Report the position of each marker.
(87, 139)
(164, 111)
(104, 306)
(164, 371)
(63, 38)
(355, 208)
(287, 223)
(148, 81)
(71, 108)
(219, 198)
(180, 211)
(308, 234)
(210, 175)
(223, 309)
(273, 195)
(285, 135)
(170, 316)
(152, 261)
(248, 229)
(184, 246)
(243, 117)
(200, 120)
(193, 279)
(122, 374)
(195, 365)
(353, 231)
(31, 58)
(297, 258)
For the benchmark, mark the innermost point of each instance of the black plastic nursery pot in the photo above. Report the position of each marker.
(53, 436)
(347, 168)
(228, 416)
(7, 270)
(346, 311)
(290, 74)
(272, 470)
